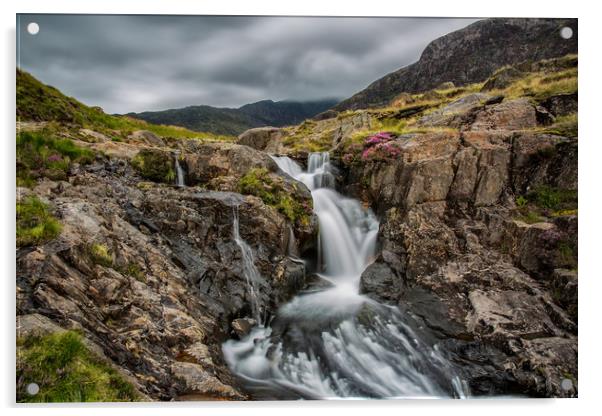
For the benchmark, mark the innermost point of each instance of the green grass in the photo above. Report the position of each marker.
(39, 102)
(554, 199)
(42, 154)
(35, 223)
(566, 126)
(271, 190)
(66, 371)
(100, 254)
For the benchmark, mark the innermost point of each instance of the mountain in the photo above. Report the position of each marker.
(470, 55)
(236, 120)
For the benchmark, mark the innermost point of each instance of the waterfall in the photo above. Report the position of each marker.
(335, 342)
(250, 271)
(179, 171)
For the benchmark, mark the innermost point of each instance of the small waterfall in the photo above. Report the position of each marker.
(250, 271)
(179, 171)
(336, 342)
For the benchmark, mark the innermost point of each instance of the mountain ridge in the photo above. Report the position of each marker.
(469, 55)
(233, 121)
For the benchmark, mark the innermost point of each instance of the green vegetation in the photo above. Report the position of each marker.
(100, 254)
(546, 202)
(566, 126)
(271, 190)
(35, 223)
(42, 154)
(156, 165)
(305, 138)
(553, 199)
(133, 270)
(39, 102)
(67, 371)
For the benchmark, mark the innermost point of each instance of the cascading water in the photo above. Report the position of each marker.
(179, 171)
(248, 263)
(334, 342)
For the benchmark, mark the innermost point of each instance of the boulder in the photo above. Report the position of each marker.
(147, 137)
(454, 113)
(259, 138)
(516, 114)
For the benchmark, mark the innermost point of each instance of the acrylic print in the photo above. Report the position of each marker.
(284, 208)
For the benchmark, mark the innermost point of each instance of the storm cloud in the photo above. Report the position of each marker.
(138, 63)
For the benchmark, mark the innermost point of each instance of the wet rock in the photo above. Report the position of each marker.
(242, 326)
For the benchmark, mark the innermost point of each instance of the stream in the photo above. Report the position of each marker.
(330, 341)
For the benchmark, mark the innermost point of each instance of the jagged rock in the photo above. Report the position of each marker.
(160, 304)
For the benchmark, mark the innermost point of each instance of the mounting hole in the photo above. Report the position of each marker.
(33, 28)
(566, 32)
(566, 384)
(32, 389)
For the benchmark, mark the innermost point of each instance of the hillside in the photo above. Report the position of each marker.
(40, 103)
(234, 121)
(470, 55)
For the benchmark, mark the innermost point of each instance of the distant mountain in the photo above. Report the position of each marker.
(236, 120)
(470, 55)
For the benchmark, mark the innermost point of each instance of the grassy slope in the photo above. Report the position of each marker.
(39, 102)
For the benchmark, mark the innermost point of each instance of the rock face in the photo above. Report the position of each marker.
(470, 55)
(161, 298)
(456, 253)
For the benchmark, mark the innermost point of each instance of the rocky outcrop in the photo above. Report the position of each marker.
(152, 275)
(470, 55)
(261, 137)
(456, 252)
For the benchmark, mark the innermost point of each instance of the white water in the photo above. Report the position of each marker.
(336, 342)
(179, 172)
(250, 272)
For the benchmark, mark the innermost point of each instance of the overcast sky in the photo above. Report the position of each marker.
(137, 63)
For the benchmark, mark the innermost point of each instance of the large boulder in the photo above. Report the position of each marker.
(516, 114)
(260, 138)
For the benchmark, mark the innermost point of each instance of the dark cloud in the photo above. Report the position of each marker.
(136, 63)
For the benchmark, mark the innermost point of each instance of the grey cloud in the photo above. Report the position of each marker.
(137, 63)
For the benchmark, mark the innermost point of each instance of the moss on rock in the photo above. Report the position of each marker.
(154, 164)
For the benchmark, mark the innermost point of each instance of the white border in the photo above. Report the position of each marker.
(590, 126)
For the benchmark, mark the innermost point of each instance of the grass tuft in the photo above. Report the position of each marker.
(67, 371)
(35, 223)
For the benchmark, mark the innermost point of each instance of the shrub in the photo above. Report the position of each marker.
(35, 223)
(66, 371)
(41, 154)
